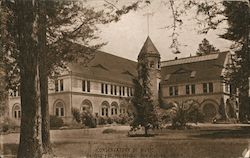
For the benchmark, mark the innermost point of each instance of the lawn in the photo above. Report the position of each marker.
(203, 141)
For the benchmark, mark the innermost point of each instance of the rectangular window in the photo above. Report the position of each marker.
(205, 90)
(176, 90)
(120, 90)
(187, 89)
(106, 88)
(208, 87)
(83, 85)
(56, 86)
(131, 92)
(171, 91)
(128, 91)
(190, 89)
(115, 90)
(102, 88)
(193, 89)
(88, 86)
(61, 85)
(111, 89)
(211, 87)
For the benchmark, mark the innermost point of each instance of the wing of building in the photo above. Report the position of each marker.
(104, 85)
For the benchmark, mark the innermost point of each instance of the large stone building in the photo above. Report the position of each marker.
(105, 85)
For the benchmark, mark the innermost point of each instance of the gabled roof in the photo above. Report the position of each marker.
(106, 67)
(193, 69)
(148, 48)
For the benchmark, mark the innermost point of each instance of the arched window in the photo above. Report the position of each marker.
(59, 109)
(114, 108)
(86, 106)
(17, 111)
(123, 109)
(105, 108)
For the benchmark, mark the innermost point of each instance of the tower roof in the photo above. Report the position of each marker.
(148, 48)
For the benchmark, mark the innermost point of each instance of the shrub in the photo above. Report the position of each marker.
(55, 122)
(76, 115)
(8, 125)
(88, 119)
(184, 113)
(110, 120)
(102, 120)
(124, 119)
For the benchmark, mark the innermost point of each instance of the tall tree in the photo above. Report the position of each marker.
(206, 48)
(26, 13)
(238, 15)
(54, 47)
(144, 109)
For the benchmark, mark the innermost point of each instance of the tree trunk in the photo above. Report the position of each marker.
(43, 68)
(30, 145)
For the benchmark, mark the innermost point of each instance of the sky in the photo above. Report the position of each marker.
(125, 38)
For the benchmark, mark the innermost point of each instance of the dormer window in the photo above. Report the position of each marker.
(193, 73)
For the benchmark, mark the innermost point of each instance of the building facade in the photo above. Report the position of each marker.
(104, 85)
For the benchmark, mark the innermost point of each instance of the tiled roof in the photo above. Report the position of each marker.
(106, 67)
(193, 69)
(148, 48)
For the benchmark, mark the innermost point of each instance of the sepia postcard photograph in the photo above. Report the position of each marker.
(124, 79)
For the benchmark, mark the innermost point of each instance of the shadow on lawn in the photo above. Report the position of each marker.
(242, 132)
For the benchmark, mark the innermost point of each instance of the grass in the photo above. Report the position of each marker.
(205, 142)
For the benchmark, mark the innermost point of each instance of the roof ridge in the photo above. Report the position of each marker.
(196, 56)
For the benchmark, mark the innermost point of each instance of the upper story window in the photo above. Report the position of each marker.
(128, 91)
(106, 88)
(208, 87)
(190, 89)
(123, 91)
(111, 89)
(120, 90)
(59, 86)
(102, 87)
(173, 90)
(152, 64)
(85, 86)
(115, 90)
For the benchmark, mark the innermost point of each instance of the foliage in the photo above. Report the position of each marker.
(76, 115)
(206, 48)
(238, 31)
(182, 114)
(144, 113)
(55, 121)
(88, 119)
(8, 125)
